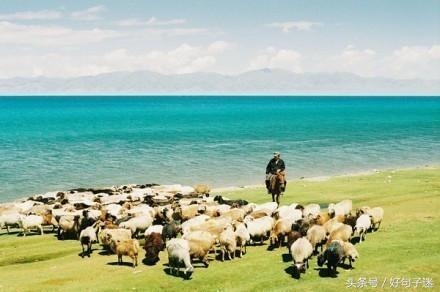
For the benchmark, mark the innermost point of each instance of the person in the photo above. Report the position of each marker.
(275, 166)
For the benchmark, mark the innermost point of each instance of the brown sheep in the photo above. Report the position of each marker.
(322, 218)
(343, 233)
(128, 247)
(235, 214)
(200, 243)
(317, 236)
(281, 228)
(153, 245)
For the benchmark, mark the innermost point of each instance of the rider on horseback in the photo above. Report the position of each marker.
(275, 166)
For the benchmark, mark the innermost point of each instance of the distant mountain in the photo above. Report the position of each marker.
(265, 81)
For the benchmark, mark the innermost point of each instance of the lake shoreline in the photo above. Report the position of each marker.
(229, 189)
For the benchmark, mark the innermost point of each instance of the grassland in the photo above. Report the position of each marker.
(407, 245)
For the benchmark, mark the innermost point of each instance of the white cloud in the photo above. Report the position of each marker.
(89, 14)
(184, 58)
(32, 15)
(415, 62)
(406, 62)
(36, 35)
(153, 21)
(274, 58)
(294, 25)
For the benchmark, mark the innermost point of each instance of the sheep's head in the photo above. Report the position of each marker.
(300, 267)
(321, 259)
(331, 209)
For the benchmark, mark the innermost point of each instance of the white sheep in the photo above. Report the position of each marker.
(344, 207)
(311, 210)
(228, 243)
(87, 237)
(153, 229)
(31, 221)
(363, 224)
(9, 219)
(137, 224)
(285, 212)
(301, 250)
(242, 236)
(259, 228)
(268, 208)
(178, 253)
(376, 215)
(187, 225)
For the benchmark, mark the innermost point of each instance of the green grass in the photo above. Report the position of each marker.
(407, 245)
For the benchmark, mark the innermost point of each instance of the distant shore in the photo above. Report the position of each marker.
(229, 189)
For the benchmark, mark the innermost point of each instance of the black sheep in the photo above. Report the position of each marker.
(333, 255)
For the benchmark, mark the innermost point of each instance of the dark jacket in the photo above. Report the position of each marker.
(273, 166)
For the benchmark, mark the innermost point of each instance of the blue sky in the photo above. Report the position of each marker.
(395, 39)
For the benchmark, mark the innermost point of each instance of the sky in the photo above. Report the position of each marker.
(393, 39)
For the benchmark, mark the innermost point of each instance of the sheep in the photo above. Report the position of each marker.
(311, 209)
(285, 212)
(202, 189)
(242, 236)
(137, 224)
(317, 236)
(343, 233)
(106, 236)
(213, 226)
(303, 225)
(363, 224)
(259, 228)
(128, 247)
(68, 225)
(228, 243)
(9, 219)
(87, 237)
(376, 215)
(170, 230)
(235, 214)
(268, 208)
(322, 218)
(351, 220)
(301, 250)
(153, 245)
(200, 243)
(279, 231)
(333, 255)
(350, 252)
(186, 226)
(344, 207)
(178, 253)
(31, 221)
(259, 214)
(187, 212)
(153, 229)
(333, 223)
(292, 236)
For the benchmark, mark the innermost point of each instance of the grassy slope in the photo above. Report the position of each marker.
(407, 245)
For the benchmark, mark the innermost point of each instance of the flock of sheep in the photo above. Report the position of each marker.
(190, 224)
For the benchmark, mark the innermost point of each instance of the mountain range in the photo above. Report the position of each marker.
(264, 81)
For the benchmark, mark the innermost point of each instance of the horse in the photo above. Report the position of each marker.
(277, 186)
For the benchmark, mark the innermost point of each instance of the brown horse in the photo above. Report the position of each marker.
(277, 186)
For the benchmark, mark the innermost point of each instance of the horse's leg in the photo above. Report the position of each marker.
(273, 197)
(278, 199)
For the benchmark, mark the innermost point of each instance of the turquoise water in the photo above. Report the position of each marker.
(55, 143)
